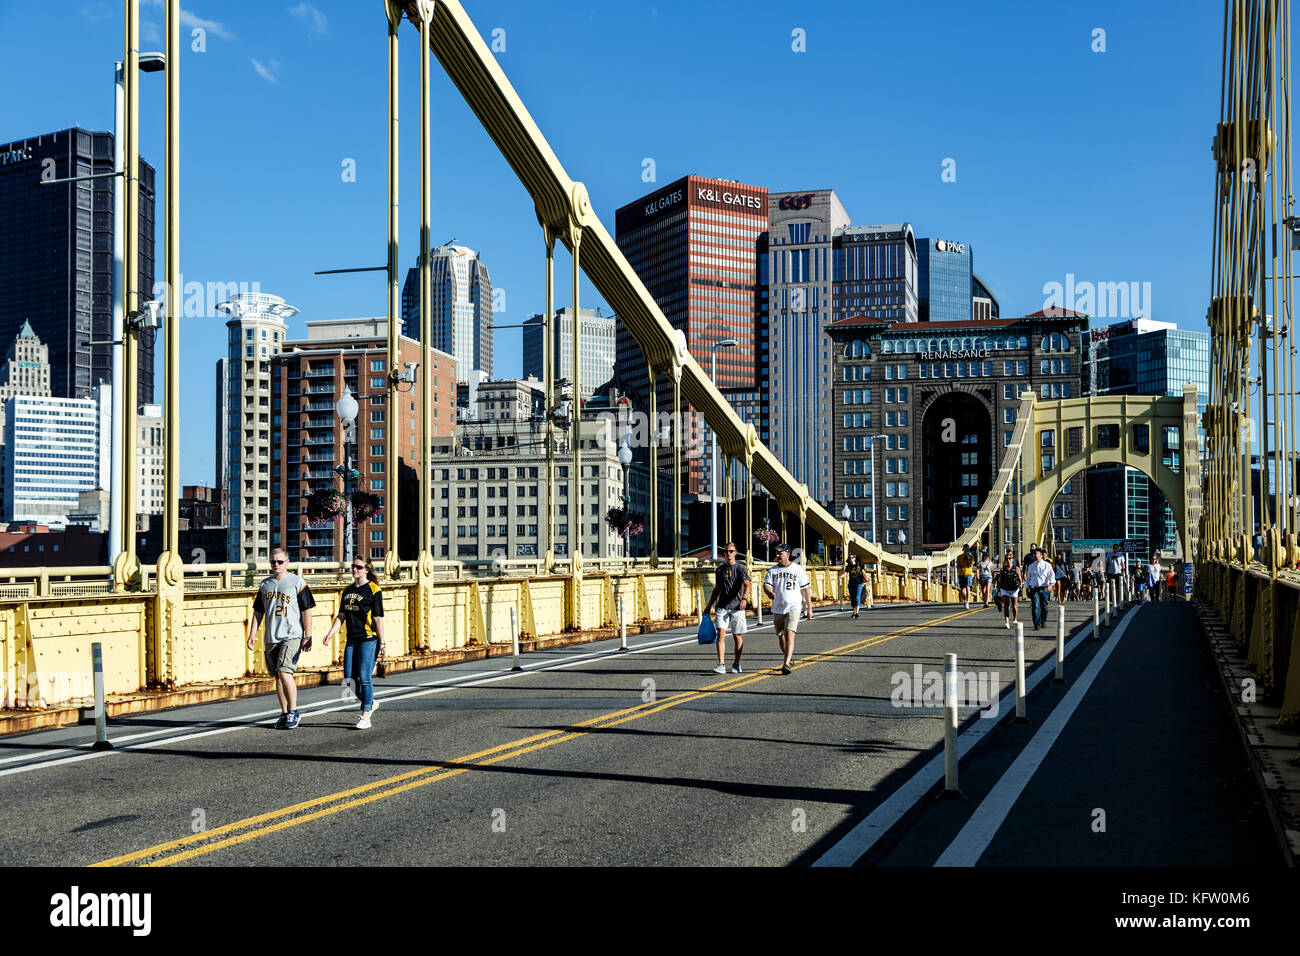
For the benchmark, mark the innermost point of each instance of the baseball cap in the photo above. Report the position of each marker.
(782, 547)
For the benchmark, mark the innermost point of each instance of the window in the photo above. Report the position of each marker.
(1009, 416)
(377, 382)
(376, 434)
(1107, 436)
(377, 365)
(1047, 438)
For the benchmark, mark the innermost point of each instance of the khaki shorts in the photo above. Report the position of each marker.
(733, 622)
(283, 657)
(787, 622)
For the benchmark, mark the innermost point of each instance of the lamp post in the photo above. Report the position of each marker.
(713, 472)
(844, 537)
(148, 63)
(625, 459)
(346, 408)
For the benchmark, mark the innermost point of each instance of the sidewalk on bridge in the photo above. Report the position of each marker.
(1149, 770)
(1274, 754)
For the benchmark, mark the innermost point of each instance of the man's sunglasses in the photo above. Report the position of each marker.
(279, 561)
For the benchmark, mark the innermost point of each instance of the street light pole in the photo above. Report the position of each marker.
(346, 408)
(713, 470)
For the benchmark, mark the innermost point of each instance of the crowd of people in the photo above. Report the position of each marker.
(284, 602)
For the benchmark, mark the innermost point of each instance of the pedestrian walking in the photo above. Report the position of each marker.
(965, 573)
(1155, 576)
(1008, 585)
(1062, 578)
(285, 601)
(789, 589)
(1039, 579)
(856, 577)
(1076, 582)
(1171, 584)
(986, 570)
(361, 613)
(1115, 567)
(730, 586)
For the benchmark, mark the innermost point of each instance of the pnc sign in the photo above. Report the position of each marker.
(15, 155)
(943, 245)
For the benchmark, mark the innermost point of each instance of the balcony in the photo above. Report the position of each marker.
(326, 388)
(319, 373)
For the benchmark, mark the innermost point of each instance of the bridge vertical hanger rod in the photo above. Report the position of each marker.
(426, 303)
(391, 477)
(127, 569)
(548, 384)
(172, 250)
(653, 431)
(575, 420)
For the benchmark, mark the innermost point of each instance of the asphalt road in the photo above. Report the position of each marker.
(589, 757)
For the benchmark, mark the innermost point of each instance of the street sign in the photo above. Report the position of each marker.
(1187, 577)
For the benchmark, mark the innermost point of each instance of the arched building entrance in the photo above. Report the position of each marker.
(957, 452)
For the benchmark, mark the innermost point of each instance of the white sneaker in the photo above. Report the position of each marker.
(363, 722)
(374, 705)
(968, 605)
(737, 669)
(1007, 623)
(720, 669)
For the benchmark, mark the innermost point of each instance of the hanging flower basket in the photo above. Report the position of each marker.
(326, 506)
(621, 520)
(766, 536)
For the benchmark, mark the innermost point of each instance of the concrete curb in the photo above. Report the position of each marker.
(1272, 753)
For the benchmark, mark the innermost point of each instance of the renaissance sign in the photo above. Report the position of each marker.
(945, 355)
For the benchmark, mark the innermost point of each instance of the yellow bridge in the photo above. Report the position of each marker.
(175, 625)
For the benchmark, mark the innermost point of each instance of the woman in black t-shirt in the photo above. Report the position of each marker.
(361, 610)
(857, 577)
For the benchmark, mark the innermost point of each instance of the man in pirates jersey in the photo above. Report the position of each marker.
(790, 590)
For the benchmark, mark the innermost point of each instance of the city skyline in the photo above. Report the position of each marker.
(1107, 208)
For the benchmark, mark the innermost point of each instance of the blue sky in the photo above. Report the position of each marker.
(1068, 161)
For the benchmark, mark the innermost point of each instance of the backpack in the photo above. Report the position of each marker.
(1008, 580)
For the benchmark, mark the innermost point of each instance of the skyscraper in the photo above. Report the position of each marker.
(694, 244)
(945, 281)
(800, 252)
(460, 308)
(875, 272)
(51, 456)
(597, 361)
(26, 372)
(244, 408)
(1143, 357)
(56, 263)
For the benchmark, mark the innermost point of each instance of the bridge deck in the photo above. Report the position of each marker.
(568, 757)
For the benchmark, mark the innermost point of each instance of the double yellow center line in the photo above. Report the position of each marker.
(250, 828)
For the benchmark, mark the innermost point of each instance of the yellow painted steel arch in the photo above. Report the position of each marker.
(1126, 413)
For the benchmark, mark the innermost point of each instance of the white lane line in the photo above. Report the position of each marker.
(246, 721)
(855, 844)
(969, 845)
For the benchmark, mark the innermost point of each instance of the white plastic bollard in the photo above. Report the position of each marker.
(622, 623)
(101, 717)
(758, 606)
(950, 789)
(1020, 674)
(1060, 645)
(514, 640)
(1096, 616)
